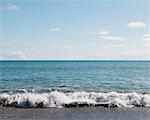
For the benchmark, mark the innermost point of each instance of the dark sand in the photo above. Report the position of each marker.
(87, 113)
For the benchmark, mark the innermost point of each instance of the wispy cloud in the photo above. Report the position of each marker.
(67, 46)
(146, 45)
(136, 24)
(107, 35)
(146, 37)
(146, 40)
(115, 38)
(12, 7)
(101, 33)
(54, 29)
(104, 33)
(59, 46)
(113, 46)
(15, 41)
(14, 55)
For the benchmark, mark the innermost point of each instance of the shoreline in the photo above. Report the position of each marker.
(84, 113)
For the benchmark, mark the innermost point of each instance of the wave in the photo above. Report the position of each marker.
(74, 99)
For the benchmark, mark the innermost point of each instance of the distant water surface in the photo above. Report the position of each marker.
(90, 76)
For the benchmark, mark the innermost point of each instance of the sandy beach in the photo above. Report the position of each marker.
(86, 113)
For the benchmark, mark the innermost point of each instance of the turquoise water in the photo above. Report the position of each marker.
(72, 76)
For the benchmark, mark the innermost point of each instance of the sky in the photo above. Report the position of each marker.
(74, 29)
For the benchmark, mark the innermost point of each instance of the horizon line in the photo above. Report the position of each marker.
(77, 60)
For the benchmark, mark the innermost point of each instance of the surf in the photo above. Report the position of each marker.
(74, 99)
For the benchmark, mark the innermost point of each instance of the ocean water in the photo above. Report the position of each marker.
(74, 83)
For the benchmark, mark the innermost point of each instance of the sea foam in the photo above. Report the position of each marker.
(74, 99)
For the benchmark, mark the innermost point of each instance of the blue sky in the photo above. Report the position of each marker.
(74, 29)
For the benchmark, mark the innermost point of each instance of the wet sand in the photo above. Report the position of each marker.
(86, 113)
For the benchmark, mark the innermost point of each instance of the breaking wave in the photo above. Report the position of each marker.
(74, 99)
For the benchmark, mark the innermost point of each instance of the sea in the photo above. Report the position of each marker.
(74, 83)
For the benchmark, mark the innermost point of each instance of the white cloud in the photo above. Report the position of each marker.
(15, 41)
(146, 45)
(67, 46)
(146, 40)
(146, 37)
(102, 33)
(20, 54)
(113, 46)
(136, 24)
(14, 55)
(54, 29)
(107, 35)
(115, 38)
(12, 7)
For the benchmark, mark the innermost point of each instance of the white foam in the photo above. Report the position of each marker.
(60, 99)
